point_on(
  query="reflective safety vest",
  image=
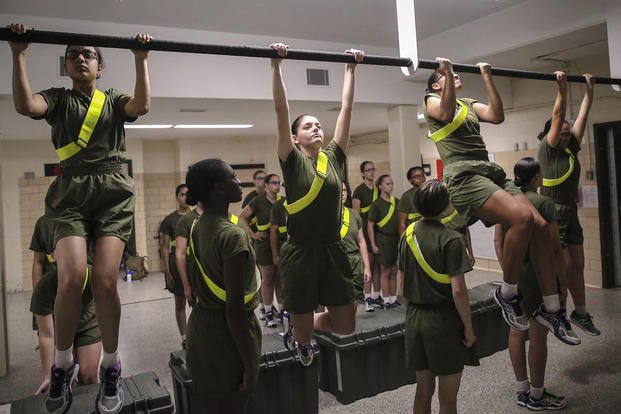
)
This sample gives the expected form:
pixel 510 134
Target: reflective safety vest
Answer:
pixel 375 195
pixel 551 182
pixel 448 129
pixel 320 175
pixel 345 225
pixel 88 125
pixel 217 291
pixel 391 211
pixel 413 243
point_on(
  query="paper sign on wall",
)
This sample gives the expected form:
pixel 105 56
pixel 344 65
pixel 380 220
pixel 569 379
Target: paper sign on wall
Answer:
pixel 588 196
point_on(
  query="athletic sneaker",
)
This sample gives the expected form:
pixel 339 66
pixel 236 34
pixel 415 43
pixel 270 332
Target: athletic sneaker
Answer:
pixel 368 305
pixel 261 313
pixel 269 320
pixel 388 305
pixel 378 303
pixel 183 344
pixel 110 397
pixel 570 332
pixel 287 333
pixel 511 311
pixel 305 354
pixel 522 398
pixel 360 298
pixel 546 402
pixel 556 322
pixel 585 322
pixel 59 395
pixel 397 303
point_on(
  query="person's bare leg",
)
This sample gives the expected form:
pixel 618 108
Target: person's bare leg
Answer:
pixel 385 272
pixel 425 387
pixel 517 353
pixel 338 319
pixel 537 353
pixel 89 356
pixel 574 256
pixel 448 387
pixel 182 320
pixel 303 324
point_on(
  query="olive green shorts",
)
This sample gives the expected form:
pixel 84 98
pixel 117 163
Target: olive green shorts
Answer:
pixel 569 228
pixel 388 247
pixel 529 289
pixel 433 341
pixel 88 329
pixel 357 268
pixel 315 275
pixel 177 288
pixel 263 253
pixel 91 206
pixel 214 363
pixel 471 183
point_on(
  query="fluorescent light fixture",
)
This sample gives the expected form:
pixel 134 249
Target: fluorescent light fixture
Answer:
pixel 145 126
pixel 213 126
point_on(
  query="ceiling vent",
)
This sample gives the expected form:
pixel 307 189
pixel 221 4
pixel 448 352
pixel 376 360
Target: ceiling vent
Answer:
pixel 317 77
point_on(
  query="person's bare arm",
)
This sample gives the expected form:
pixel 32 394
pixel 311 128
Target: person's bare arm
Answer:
pixel 443 108
pixel 181 244
pixel 38 262
pixel 559 110
pixel 462 304
pixel 493 112
pixel 140 103
pixel 45 325
pixel 581 121
pixel 341 132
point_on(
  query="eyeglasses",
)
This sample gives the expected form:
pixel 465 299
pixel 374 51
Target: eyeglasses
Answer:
pixel 275 182
pixel 87 54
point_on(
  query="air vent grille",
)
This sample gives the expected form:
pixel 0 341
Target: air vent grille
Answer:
pixel 317 77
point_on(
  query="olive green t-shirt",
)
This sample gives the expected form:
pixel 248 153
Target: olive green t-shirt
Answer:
pixel 406 205
pixel 262 209
pixel 319 222
pixel 466 141
pixel 445 252
pixel 43 242
pixel 184 224
pixel 249 197
pixel 278 217
pixel 379 210
pixel 351 237
pixel 544 205
pixel 66 110
pixel 217 240
pixel 44 295
pixel 554 164
pixel 366 197
pixel 168 226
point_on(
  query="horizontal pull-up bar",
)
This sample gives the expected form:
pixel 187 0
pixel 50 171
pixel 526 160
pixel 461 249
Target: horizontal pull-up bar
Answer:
pixel 60 38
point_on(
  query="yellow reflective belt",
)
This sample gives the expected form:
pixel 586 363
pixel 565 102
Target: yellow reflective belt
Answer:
pixel 213 287
pixel 320 176
pixel 391 211
pixel 88 125
pixel 88 272
pixel 557 181
pixel 253 221
pixel 449 128
pixel 233 218
pixel 345 225
pixel 414 216
pixel 413 243
pixel 282 229
pixel 449 217
pixel 50 258
pixel 263 227
pixel 375 195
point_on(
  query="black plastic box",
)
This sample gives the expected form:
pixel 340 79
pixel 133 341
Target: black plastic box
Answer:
pixel 372 359
pixel 284 385
pixel 143 395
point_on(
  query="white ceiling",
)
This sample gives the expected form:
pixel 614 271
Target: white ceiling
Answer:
pixel 350 21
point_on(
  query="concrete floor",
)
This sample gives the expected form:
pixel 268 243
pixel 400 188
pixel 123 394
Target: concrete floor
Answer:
pixel 589 375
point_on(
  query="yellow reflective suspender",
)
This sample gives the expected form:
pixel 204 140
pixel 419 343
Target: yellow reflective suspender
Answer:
pixel 88 125
pixel 375 195
pixel 213 287
pixel 414 216
pixel 266 226
pixel 551 182
pixel 451 127
pixel 413 243
pixel 233 218
pixel 345 225
pixel 320 176
pixel 449 217
pixel 391 211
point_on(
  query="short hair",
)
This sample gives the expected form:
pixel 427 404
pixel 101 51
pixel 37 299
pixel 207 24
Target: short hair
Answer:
pixel 179 188
pixel 363 165
pixel 431 198
pixel 268 177
pixel 257 172
pixel 412 169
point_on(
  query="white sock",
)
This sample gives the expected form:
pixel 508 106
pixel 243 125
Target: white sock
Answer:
pixel 523 386
pixel 367 295
pixel 183 337
pixel 551 303
pixel 393 299
pixel 536 393
pixel 268 308
pixel 64 359
pixel 581 310
pixel 375 295
pixel 109 360
pixel 508 291
pixel 386 298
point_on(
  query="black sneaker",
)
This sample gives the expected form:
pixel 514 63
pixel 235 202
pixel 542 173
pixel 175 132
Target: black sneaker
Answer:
pixel 546 402
pixel 511 311
pixel 378 303
pixel 59 395
pixel 388 305
pixel 585 322
pixel 368 305
pixel 269 320
pixel 556 322
pixel 522 398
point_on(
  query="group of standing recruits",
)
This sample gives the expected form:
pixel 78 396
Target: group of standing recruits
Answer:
pixel 91 203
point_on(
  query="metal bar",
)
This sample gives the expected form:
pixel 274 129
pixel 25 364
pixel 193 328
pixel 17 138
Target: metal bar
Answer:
pixel 515 73
pixel 61 38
